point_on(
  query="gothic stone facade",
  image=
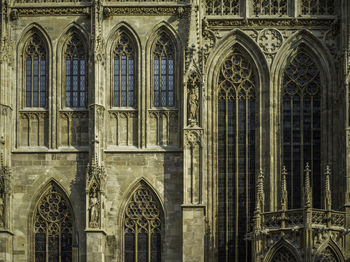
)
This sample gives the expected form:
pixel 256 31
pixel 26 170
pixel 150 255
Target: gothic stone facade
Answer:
pixel 158 130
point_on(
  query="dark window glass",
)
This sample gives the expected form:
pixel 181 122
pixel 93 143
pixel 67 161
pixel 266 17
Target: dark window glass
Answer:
pixel 236 155
pixel 35 73
pixel 301 105
pixel 163 66
pixel 76 82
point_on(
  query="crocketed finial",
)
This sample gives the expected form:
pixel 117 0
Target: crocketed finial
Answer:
pixel 307 185
pixel 328 194
pixel 284 198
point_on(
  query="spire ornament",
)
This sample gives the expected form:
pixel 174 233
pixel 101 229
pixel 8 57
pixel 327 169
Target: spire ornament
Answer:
pixel 307 187
pixel 328 193
pixel 284 192
pixel 260 196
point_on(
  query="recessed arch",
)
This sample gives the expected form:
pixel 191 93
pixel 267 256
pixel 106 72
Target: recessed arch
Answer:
pixel 329 250
pixel 304 42
pixel 282 249
pixel 239 61
pixel 142 223
pixel 51 222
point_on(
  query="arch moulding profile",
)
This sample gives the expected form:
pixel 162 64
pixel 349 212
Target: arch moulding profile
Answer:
pixel 282 243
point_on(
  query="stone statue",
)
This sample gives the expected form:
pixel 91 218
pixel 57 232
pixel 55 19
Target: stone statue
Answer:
pixel 193 106
pixel 2 205
pixel 94 210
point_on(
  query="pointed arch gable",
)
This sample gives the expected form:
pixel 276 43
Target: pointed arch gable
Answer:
pixel 29 31
pixel 76 28
pixel 282 244
pixel 125 27
pixel 334 248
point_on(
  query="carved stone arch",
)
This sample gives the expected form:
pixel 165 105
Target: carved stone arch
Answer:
pixel 140 189
pixel 50 184
pixel 315 49
pixel 329 251
pixel 61 46
pixel 31 30
pixel 165 27
pixel 284 250
pixel 111 44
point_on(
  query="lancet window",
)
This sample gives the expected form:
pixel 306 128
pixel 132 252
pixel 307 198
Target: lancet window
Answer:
pixel 36 72
pixel 222 7
pixel 236 90
pixel 75 72
pixel 270 7
pixel 164 72
pixel 142 227
pixel 53 227
pixel 124 94
pixel 283 255
pixel 301 124
pixel 317 7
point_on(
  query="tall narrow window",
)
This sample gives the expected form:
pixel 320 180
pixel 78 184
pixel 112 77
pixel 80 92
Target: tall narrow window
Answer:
pixel 124 72
pixel 163 72
pixel 142 227
pixel 35 68
pixel 236 155
pixel 301 120
pixel 76 79
pixel 53 227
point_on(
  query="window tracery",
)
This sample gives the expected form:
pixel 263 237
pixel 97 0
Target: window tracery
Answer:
pixel 142 227
pixel 270 7
pixel 236 154
pixel 327 255
pixel 301 121
pixel 222 7
pixel 53 227
pixel 317 7
pixel 36 72
pixel 124 94
pixel 164 72
pixel 283 255
pixel 75 72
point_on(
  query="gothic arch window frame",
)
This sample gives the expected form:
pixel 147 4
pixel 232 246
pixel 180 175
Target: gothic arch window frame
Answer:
pixel 61 66
pixel 334 248
pixel 31 31
pixel 282 243
pixel 112 44
pixel 174 40
pixel 217 56
pixel 140 183
pixel 33 211
pixel 323 59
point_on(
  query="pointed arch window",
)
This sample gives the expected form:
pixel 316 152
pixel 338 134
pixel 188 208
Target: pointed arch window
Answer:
pixel 76 90
pixel 53 227
pixel 36 72
pixel 283 255
pixel 301 125
pixel 164 72
pixel 236 89
pixel 142 227
pixel 124 94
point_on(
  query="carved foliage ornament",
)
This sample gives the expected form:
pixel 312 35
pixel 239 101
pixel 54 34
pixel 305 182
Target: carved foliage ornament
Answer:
pixel 193 137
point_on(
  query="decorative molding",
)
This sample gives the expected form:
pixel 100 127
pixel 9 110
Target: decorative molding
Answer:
pixel 192 137
pixel 222 23
pixel 17 12
pixel 147 11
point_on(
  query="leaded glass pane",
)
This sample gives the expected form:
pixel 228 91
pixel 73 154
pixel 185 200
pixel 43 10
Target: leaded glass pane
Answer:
pixel 76 82
pixel 142 227
pixel 236 155
pixel 53 223
pixel 124 72
pixel 301 102
pixel 163 72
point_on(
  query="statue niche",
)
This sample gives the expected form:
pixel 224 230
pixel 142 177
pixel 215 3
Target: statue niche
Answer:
pixel 193 85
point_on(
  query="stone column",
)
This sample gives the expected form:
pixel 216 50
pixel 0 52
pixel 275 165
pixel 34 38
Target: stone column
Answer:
pixel 95 175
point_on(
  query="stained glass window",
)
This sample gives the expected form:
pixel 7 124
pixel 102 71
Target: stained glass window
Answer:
pixel 76 77
pixel 164 72
pixel 236 154
pixel 283 255
pixel 142 227
pixel 301 121
pixel 124 72
pixel 53 227
pixel 36 73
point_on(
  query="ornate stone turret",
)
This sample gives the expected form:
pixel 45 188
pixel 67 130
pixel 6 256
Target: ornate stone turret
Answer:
pixel 260 195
